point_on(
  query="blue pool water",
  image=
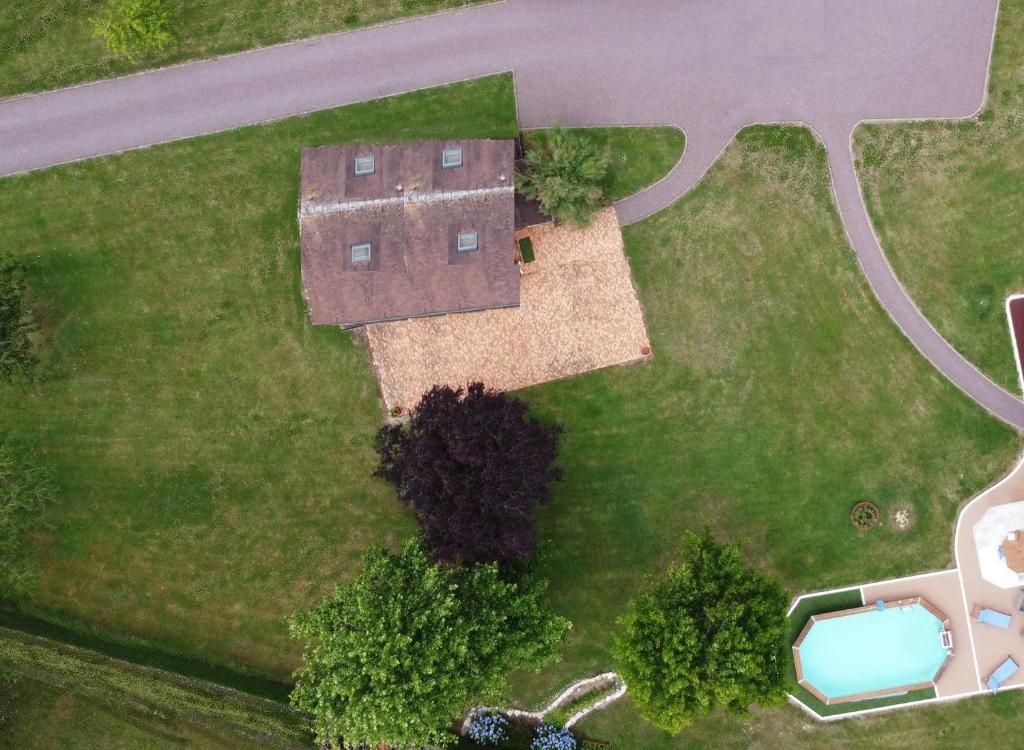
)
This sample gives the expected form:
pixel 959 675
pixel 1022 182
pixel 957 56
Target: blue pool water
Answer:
pixel 875 650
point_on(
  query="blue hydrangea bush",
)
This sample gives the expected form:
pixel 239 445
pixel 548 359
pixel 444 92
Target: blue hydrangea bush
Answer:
pixel 550 737
pixel 488 728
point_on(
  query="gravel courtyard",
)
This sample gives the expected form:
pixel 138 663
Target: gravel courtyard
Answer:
pixel 578 312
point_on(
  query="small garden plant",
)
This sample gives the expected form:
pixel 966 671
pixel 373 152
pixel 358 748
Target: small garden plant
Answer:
pixel 135 28
pixel 566 175
pixel 550 737
pixel 488 728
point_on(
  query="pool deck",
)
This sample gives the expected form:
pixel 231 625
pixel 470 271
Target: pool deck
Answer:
pixel 991 645
pixel 942 590
pixel 977 648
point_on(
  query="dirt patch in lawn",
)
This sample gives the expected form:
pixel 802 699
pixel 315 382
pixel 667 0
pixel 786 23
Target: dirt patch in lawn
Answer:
pixel 578 312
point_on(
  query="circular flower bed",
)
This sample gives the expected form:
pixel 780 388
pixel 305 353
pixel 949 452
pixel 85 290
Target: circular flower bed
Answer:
pixel 865 515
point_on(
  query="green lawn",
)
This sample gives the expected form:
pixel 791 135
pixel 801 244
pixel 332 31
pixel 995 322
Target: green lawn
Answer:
pixel 947 201
pixel 779 395
pixel 990 721
pixel 44 718
pixel 212 451
pixel 640 156
pixel 46 44
pixel 152 692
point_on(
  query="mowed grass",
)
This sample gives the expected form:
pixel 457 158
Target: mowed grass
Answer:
pixel 779 395
pixel 985 721
pixel 45 718
pixel 46 44
pixel 947 201
pixel 639 156
pixel 212 451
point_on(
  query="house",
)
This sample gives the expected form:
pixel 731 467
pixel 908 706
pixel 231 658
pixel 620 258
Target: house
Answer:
pixel 407 230
pixel 397 237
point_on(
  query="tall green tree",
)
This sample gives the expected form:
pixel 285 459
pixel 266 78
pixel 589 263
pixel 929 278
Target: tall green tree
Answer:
pixel 397 655
pixel 711 634
pixel 566 174
pixel 17 327
pixel 135 28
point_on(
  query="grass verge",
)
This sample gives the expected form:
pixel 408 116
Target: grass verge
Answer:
pixel 46 44
pixel 144 655
pixel 992 720
pixel 946 200
pixel 42 717
pixel 150 692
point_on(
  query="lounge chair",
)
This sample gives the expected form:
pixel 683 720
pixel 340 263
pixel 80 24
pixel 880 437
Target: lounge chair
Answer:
pixel 991 617
pixel 1002 673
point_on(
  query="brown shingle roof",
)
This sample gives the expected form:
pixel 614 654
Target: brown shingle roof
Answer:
pixel 414 268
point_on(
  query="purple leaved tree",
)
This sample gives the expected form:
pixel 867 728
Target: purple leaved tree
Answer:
pixel 473 465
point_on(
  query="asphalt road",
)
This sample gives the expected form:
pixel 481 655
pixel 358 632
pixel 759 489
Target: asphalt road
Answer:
pixel 708 66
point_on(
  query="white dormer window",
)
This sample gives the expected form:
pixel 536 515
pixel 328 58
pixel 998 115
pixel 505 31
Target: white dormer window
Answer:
pixel 361 252
pixel 365 165
pixel 468 242
pixel 451 158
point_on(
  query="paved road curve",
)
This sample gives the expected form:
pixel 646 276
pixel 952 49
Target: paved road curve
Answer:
pixel 707 66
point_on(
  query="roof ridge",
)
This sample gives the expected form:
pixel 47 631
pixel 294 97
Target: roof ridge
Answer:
pixel 431 197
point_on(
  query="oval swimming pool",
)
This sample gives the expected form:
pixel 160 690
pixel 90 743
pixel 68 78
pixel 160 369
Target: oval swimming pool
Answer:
pixel 870 652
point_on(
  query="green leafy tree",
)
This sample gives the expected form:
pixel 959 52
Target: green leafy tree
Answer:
pixel 134 28
pixel 398 654
pixel 17 328
pixel 565 174
pixel 709 635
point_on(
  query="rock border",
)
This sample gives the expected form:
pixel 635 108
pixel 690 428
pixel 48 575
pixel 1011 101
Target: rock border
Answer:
pixel 574 692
